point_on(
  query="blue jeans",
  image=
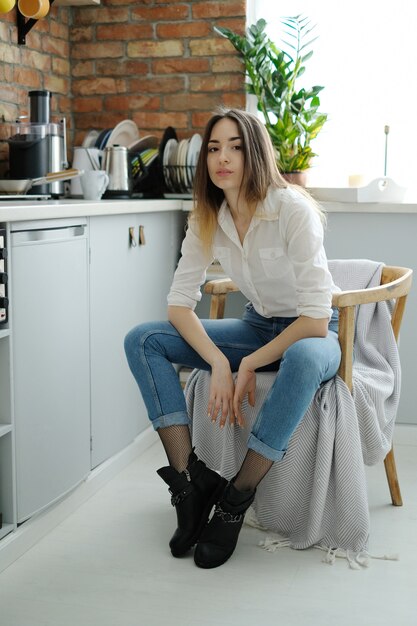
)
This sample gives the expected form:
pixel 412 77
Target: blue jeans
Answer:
pixel 153 347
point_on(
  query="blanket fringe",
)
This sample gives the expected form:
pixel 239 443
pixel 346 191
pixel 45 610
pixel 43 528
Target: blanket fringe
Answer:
pixel 356 560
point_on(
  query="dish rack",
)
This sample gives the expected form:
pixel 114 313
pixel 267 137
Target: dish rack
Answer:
pixel 179 178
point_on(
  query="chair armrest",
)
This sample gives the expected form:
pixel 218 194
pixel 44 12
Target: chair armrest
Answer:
pixel 388 291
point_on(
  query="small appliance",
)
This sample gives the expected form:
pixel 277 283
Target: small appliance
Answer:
pixel 116 163
pixel 38 146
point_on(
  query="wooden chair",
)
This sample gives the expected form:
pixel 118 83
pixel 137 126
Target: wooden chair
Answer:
pixel 395 285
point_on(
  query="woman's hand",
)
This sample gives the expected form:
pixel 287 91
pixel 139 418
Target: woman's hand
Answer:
pixel 221 393
pixel 245 385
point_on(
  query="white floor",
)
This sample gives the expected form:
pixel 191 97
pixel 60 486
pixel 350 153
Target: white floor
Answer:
pixel 108 565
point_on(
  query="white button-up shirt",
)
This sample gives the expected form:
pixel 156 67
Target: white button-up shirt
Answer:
pixel 281 267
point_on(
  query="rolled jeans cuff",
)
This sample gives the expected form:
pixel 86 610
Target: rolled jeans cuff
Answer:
pixel 262 448
pixel 172 419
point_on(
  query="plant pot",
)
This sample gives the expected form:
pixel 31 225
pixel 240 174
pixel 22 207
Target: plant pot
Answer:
pixel 296 178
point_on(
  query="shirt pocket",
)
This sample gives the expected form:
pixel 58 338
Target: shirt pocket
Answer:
pixel 223 256
pixel 274 262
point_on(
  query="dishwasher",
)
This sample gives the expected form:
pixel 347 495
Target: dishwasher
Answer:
pixel 50 337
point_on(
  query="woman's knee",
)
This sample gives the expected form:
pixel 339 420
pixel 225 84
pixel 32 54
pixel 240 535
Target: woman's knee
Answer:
pixel 135 338
pixel 306 356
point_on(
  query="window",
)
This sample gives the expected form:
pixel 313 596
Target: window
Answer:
pixel 365 58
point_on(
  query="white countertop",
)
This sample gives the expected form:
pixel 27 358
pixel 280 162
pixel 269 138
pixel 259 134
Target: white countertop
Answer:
pixel 24 210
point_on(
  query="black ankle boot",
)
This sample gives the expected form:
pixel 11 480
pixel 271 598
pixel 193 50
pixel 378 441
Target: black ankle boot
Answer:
pixel 194 492
pixel 219 538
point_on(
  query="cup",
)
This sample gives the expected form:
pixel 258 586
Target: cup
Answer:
pixel 35 9
pixel 93 184
pixel 6 5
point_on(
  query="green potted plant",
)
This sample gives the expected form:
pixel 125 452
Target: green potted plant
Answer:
pixel 291 114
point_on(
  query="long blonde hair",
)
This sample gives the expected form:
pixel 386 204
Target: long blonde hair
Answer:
pixel 260 172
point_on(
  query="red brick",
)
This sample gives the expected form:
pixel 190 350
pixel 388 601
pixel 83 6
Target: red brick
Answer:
pixel 160 120
pixel 180 66
pixel 29 78
pixel 83 33
pixel 217 82
pixel 174 11
pixel 125 32
pixel 64 104
pixel 88 104
pixel 97 50
pixel 199 120
pixel 5 31
pixel 9 54
pixel 61 66
pixel 210 47
pixel 151 103
pixel 146 49
pixel 132 103
pixel 98 85
pixel 8 93
pixel 36 60
pixel 120 67
pixel 166 84
pixel 219 9
pixel 56 84
pixel 227 64
pixel 188 102
pixel 100 120
pixel 59 29
pixel 234 100
pixel 55 46
pixel 100 15
pixel 183 29
pixel 237 25
pixel 82 68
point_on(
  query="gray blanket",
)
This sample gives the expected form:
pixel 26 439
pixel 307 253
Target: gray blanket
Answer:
pixel 317 494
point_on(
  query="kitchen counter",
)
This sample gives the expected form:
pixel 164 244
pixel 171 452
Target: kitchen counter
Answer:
pixel 23 210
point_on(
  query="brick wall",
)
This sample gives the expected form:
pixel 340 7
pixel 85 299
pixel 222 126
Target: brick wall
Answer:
pixel 43 63
pixel 157 62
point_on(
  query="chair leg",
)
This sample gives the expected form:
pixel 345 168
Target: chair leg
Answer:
pixel 391 472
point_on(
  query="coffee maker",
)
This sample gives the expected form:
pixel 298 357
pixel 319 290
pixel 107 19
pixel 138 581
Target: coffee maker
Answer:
pixel 39 146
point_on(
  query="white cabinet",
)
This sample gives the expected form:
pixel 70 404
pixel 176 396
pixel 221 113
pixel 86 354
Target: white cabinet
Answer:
pixel 77 286
pixel 133 258
pixel 51 360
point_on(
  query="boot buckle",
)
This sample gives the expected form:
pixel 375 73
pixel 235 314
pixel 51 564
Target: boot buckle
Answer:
pixel 226 516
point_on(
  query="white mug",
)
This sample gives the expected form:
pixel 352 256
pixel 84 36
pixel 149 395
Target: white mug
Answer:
pixel 93 184
pixel 84 159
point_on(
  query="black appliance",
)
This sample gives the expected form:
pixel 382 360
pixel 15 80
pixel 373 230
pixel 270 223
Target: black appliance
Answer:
pixel 39 146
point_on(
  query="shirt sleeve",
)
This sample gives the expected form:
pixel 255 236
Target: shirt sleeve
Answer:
pixel 303 233
pixel 191 271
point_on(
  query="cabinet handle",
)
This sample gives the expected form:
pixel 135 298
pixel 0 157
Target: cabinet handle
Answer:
pixel 132 240
pixel 142 240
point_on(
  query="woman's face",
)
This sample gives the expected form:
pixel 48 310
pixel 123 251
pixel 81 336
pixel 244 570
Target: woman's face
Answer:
pixel 225 157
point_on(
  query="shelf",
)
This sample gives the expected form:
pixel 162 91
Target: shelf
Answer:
pixel 4 429
pixel 5 530
pixel 4 333
pixel 76 3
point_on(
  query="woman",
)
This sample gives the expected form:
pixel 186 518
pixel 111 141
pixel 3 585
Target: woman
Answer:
pixel 268 237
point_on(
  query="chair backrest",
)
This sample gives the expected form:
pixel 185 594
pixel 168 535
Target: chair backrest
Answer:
pixel 353 275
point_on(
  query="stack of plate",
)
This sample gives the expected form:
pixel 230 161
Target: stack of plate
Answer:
pixel 126 133
pixel 179 160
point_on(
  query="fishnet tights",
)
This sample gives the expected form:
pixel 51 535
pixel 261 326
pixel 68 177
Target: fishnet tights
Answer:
pixel 253 469
pixel 177 444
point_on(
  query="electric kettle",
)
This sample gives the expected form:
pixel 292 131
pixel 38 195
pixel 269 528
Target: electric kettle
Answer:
pixel 116 163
